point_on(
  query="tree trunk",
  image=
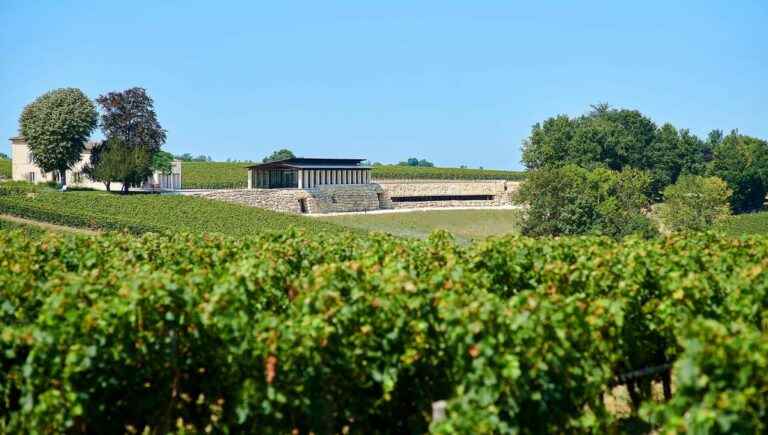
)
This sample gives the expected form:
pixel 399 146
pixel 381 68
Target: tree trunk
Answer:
pixel 107 183
pixel 125 188
pixel 63 177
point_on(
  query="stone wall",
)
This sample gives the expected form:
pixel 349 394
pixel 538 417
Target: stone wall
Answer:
pixel 367 197
pixel 342 198
pixel 284 200
pixel 321 199
pixel 501 191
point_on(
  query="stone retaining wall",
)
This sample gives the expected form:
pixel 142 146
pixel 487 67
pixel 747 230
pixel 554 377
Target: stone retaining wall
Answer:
pixel 366 197
pixel 501 191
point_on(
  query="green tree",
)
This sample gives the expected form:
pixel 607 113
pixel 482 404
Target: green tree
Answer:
pixel 742 161
pixel 572 200
pixel 162 162
pixel 279 155
pixel 56 126
pixel 615 139
pixel 114 161
pixel 695 203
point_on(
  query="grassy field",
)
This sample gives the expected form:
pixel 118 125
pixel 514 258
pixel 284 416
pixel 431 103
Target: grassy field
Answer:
pixel 5 168
pixel 143 213
pixel 749 223
pixel 464 224
pixel 220 175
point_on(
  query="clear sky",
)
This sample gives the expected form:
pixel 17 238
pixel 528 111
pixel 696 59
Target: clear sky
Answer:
pixel 456 82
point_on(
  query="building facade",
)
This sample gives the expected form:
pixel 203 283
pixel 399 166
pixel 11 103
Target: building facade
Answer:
pixel 23 168
pixel 308 173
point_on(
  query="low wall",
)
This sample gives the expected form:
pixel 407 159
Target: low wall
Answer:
pixel 501 192
pixel 321 199
pixel 374 196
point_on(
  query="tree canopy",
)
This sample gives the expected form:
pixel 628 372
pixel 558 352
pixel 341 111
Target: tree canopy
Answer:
pixel 413 161
pixel 281 154
pixel 56 126
pixel 114 161
pixel 129 116
pixel 742 161
pixel 616 139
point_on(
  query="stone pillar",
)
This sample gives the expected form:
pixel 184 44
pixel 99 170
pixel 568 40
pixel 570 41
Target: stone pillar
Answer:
pixel 300 178
pixel 250 178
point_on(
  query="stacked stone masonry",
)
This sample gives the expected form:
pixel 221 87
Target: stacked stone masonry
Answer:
pixel 375 196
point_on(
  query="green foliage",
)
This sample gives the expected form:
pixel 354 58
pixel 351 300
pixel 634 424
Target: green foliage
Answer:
pixel 695 203
pixel 384 172
pixel 18 188
pixel 114 161
pixel 747 223
pixel 27 230
pixel 335 334
pixel 6 171
pixel 162 162
pixel 222 175
pixel 615 139
pixel 415 162
pixel 281 154
pixel 144 212
pixel 572 200
pixel 721 381
pixel 56 126
pixel 742 161
pixel 187 157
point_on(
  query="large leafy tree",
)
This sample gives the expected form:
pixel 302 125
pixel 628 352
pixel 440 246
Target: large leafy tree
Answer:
pixel 742 161
pixel 279 155
pixel 129 121
pixel 56 126
pixel 129 116
pixel 615 139
pixel 114 161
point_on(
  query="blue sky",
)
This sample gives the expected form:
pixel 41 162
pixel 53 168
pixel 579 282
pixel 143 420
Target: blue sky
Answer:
pixel 453 82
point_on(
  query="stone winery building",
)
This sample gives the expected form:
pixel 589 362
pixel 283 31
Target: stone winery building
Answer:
pixel 325 185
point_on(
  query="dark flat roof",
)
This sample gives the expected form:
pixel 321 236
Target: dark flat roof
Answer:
pixel 311 163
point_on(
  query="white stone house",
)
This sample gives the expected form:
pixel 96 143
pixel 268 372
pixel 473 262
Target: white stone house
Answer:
pixel 23 168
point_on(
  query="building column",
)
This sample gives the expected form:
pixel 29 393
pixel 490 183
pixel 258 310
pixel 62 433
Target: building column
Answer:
pixel 300 178
pixel 250 178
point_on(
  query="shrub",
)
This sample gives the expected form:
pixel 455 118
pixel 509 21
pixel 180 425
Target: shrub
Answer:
pixel 572 200
pixel 695 203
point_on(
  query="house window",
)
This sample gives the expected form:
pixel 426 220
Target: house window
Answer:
pixel 31 177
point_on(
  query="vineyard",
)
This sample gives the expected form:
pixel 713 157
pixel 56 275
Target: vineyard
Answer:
pixel 5 169
pixel 333 333
pixel 141 213
pixel 220 175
